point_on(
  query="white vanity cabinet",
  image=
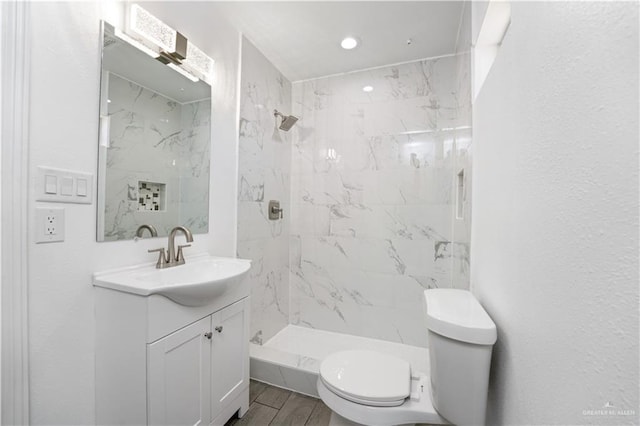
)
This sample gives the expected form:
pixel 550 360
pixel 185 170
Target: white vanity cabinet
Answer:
pixel 161 363
pixel 229 372
pixel 195 372
pixel 179 377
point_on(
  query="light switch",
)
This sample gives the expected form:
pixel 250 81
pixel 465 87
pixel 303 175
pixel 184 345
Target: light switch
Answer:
pixel 50 184
pixel 67 186
pixel 81 189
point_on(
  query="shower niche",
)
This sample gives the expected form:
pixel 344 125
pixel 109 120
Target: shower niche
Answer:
pixel 152 196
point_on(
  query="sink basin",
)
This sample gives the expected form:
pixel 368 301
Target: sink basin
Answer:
pixel 196 283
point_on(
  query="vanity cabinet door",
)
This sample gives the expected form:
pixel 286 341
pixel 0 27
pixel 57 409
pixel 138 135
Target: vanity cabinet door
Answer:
pixel 230 354
pixel 179 377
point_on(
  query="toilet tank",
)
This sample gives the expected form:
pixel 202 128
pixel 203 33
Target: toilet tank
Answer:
pixel 460 339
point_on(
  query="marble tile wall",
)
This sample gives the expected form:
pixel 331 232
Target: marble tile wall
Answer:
pixel 463 153
pixel 155 139
pixel 372 198
pixel 264 174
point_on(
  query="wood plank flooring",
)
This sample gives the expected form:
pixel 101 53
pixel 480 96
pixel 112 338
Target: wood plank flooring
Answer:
pixel 270 405
pixel 273 406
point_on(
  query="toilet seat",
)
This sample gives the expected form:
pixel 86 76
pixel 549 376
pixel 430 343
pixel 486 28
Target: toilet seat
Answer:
pixel 367 377
pixel 418 408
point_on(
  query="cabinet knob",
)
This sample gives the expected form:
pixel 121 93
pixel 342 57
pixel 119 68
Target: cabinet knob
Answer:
pixel 219 329
pixel 208 335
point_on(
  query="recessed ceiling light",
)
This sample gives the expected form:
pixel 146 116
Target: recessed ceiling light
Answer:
pixel 367 89
pixel 349 43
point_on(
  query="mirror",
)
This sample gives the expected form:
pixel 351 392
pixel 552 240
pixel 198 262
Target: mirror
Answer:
pixel 154 144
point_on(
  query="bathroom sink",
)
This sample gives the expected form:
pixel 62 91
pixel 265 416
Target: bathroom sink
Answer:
pixel 196 283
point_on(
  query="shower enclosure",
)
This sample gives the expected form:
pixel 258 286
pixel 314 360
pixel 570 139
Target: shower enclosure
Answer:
pixel 374 183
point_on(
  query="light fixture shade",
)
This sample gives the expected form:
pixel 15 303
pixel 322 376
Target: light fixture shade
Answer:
pixel 185 73
pixel 149 27
pixel 198 61
pixel 142 47
pixel 169 47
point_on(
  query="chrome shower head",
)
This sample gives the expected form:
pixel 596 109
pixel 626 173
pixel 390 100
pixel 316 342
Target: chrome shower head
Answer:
pixel 287 120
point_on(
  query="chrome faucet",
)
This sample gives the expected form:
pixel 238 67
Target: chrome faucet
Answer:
pixel 150 228
pixel 170 257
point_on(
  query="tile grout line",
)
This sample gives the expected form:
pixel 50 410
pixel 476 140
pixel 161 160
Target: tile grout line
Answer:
pixel 312 411
pixel 258 395
pixel 291 396
pixel 255 405
pixel 276 416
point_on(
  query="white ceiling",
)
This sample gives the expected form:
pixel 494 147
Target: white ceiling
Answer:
pixel 302 38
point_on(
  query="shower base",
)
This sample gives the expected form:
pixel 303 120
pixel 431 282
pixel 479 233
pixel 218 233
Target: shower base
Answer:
pixel 291 359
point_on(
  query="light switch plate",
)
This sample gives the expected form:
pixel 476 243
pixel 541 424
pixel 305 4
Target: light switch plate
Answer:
pixel 63 186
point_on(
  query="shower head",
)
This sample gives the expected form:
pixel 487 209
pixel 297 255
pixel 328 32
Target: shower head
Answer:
pixel 287 120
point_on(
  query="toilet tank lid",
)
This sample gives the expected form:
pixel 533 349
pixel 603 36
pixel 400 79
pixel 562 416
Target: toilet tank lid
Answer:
pixel 458 315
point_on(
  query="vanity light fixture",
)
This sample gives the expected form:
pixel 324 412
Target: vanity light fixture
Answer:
pixel 143 47
pixel 147 26
pixel 198 61
pixel 168 45
pixel 183 72
pixel 367 89
pixel 349 43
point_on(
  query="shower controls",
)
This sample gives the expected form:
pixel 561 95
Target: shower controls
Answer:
pixel 275 212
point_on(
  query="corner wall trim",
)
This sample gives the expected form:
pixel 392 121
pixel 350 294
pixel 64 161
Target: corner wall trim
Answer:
pixel 14 60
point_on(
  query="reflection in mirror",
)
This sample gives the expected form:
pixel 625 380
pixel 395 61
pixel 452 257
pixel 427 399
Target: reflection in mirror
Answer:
pixel 155 128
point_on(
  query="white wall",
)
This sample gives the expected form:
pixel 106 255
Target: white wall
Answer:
pixel 463 145
pixel 1 115
pixel 65 77
pixel 555 214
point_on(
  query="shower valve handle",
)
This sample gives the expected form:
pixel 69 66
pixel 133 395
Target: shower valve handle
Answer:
pixel 275 211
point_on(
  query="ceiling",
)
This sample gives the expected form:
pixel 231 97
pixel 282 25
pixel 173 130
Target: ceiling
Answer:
pixel 302 38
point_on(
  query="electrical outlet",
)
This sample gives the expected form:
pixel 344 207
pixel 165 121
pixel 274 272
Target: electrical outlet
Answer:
pixel 49 225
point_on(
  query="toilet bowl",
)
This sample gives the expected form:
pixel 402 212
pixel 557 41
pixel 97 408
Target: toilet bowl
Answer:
pixel 375 389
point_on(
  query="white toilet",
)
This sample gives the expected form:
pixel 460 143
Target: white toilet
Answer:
pixel 375 389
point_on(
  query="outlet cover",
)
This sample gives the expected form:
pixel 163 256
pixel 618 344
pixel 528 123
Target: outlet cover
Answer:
pixel 49 225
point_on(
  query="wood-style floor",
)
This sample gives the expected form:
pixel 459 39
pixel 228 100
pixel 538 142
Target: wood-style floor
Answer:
pixel 272 406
